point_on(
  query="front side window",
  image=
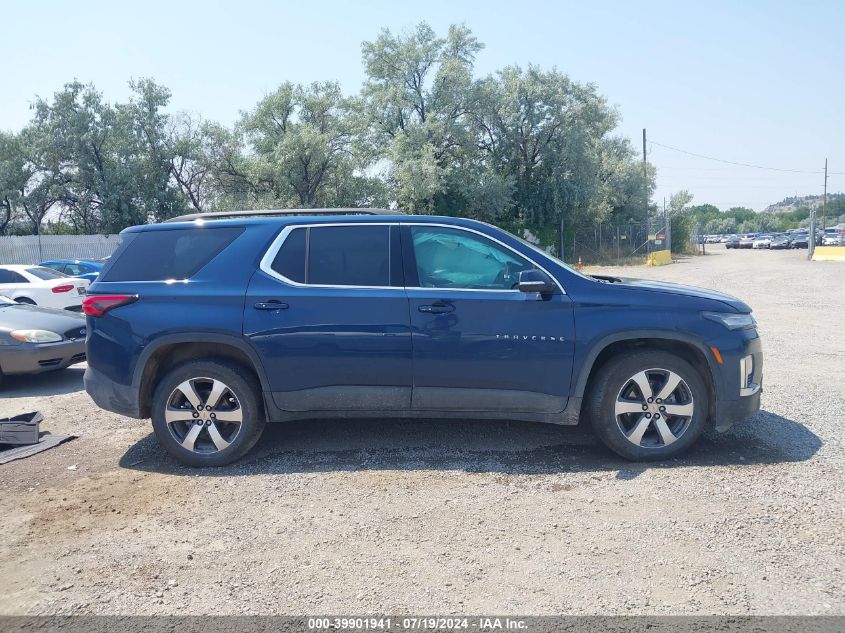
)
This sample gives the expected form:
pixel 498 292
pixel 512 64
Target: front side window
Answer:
pixel 337 256
pixel 452 258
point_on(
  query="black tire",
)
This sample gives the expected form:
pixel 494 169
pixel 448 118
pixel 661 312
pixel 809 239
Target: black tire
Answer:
pixel 241 385
pixel 615 375
pixel 26 301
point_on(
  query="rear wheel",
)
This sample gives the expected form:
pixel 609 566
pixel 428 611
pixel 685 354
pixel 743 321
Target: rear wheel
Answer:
pixel 207 413
pixel 648 405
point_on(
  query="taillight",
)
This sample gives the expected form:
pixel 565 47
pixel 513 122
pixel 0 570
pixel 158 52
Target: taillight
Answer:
pixel 62 288
pixel 98 305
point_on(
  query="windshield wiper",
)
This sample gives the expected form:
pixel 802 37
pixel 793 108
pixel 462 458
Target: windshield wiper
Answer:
pixel 607 279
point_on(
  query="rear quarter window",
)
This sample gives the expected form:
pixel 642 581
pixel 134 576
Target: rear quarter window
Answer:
pixel 170 254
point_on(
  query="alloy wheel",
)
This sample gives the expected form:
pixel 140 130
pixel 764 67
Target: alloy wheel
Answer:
pixel 203 415
pixel 654 408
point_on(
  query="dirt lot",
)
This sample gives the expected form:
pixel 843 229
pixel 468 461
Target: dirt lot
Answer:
pixel 445 517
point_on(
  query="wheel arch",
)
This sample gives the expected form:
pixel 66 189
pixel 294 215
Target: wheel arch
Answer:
pixel 169 351
pixel 685 347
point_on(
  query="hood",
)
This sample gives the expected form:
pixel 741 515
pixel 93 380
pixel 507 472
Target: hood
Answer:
pixel 27 317
pixel 666 287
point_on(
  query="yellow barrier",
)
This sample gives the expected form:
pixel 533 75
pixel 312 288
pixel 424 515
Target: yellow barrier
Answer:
pixel 829 254
pixel 659 258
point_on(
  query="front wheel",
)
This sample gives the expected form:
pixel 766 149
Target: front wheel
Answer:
pixel 207 413
pixel 649 405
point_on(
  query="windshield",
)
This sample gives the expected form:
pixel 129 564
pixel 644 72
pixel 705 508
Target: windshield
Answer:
pixel 45 273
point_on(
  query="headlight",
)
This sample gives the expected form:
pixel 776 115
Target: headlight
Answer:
pixel 35 336
pixel 730 320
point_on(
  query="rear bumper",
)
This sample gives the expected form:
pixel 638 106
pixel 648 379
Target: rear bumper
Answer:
pixel 111 396
pixel 33 358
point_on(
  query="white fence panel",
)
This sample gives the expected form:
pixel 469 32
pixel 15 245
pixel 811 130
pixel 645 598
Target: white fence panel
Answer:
pixel 31 249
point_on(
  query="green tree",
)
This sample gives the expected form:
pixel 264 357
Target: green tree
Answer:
pixel 683 220
pixel 415 105
pixel 302 141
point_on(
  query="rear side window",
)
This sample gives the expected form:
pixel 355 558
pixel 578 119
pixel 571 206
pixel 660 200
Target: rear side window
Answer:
pixel 290 260
pixel 341 256
pixel 173 254
pixel 11 277
pixel 349 256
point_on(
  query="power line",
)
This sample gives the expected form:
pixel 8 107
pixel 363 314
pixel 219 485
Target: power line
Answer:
pixel 731 162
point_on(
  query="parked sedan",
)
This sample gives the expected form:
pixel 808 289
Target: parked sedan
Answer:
pixel 84 268
pixel 780 242
pixel 41 286
pixel 762 241
pixel 833 239
pixel 801 240
pixel 35 339
pixel 732 241
pixel 747 240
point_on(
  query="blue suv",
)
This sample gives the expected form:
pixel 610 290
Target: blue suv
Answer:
pixel 213 325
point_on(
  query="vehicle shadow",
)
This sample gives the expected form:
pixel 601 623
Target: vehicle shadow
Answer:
pixel 51 383
pixel 477 446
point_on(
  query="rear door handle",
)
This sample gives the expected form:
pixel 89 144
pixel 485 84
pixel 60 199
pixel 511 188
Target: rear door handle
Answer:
pixel 437 308
pixel 271 305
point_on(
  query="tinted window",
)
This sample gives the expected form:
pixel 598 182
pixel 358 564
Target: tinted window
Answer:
pixel 290 260
pixel 451 258
pixel 11 277
pixel 170 254
pixel 349 256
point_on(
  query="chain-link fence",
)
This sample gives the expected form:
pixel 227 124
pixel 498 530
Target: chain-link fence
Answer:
pixel 32 249
pixel 613 243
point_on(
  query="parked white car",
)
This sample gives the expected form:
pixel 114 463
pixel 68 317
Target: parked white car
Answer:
pixel 762 241
pixel 37 285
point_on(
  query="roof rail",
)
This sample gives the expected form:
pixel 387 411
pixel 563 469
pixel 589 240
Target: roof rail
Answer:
pixel 222 215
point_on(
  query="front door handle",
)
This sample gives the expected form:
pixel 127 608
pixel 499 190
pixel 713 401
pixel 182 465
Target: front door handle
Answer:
pixel 437 308
pixel 271 305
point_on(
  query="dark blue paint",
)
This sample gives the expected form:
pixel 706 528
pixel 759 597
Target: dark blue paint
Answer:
pixel 375 349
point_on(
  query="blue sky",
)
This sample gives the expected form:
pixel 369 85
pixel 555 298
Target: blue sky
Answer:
pixel 752 82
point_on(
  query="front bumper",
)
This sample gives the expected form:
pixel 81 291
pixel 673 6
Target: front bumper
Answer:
pixel 34 358
pixel 740 383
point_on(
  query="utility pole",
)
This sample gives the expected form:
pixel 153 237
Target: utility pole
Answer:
pixel 645 198
pixel 824 199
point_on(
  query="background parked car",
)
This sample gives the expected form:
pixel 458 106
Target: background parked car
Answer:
pixel 762 241
pixel 82 268
pixel 732 241
pixel 41 286
pixel 747 240
pixel 801 240
pixel 35 340
pixel 780 242
pixel 833 239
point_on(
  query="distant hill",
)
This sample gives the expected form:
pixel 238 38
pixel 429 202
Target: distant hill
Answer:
pixel 794 202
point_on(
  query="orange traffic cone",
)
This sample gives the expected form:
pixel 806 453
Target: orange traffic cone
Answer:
pixel 580 265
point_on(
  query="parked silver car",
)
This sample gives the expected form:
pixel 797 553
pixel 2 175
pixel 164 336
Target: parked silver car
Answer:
pixel 35 339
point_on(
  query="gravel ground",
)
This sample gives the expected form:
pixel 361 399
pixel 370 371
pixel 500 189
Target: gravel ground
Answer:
pixel 442 517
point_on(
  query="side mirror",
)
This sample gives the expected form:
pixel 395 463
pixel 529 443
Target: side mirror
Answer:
pixel 536 281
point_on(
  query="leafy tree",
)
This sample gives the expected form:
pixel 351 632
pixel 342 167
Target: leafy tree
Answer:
pixel 682 219
pixel 415 105
pixel 302 141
